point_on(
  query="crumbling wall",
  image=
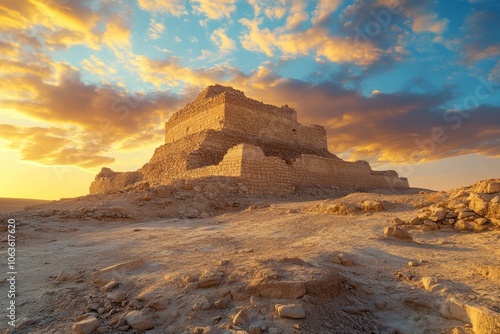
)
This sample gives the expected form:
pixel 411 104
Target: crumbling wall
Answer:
pixel 271 127
pixel 194 118
pixel 270 174
pixel 108 181
pixel 314 170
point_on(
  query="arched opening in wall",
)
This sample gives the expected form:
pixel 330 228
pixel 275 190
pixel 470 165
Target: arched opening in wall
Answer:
pixel 294 132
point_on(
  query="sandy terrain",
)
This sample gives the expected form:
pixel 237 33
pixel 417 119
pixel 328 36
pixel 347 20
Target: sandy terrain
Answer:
pixel 227 269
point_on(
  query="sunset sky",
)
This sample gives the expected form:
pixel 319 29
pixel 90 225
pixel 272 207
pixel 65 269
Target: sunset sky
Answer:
pixel 407 85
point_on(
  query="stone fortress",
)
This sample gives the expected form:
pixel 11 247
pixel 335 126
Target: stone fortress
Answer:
pixel 264 147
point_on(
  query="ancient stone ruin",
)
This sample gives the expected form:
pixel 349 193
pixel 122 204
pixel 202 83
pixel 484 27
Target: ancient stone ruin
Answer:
pixel 224 133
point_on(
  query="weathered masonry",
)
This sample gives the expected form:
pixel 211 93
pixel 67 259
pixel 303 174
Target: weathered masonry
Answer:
pixel 224 133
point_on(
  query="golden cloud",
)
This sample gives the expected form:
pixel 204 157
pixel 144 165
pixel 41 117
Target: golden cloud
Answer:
pixel 314 40
pixel 324 9
pixel 174 7
pixel 171 73
pixel 98 67
pixel 220 39
pixel 214 9
pixel 52 146
pixel 155 29
pixel 72 24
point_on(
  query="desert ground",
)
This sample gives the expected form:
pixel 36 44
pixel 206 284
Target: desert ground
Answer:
pixel 179 260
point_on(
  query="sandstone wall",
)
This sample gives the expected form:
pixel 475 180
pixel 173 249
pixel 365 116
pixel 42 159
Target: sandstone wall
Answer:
pixel 269 174
pixel 108 181
pixel 222 109
pixel 229 166
pixel 207 114
pixel 272 127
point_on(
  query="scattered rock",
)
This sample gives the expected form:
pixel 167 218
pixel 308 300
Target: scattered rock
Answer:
pixel 85 326
pixel 292 311
pixel 493 187
pixel 415 221
pixel 462 225
pixel 193 213
pixel 372 206
pixel 403 275
pixel 210 279
pixel 221 303
pixel 453 309
pixel 466 215
pixel 430 283
pixel 139 320
pixel 159 303
pixel 398 233
pixel 481 221
pixel 110 286
pixel 437 214
pixel 344 260
pixel 432 225
pixel 397 221
pixel 479 204
pixel 245 316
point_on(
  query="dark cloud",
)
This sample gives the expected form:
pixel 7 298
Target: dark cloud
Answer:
pixel 482 36
pixel 398 127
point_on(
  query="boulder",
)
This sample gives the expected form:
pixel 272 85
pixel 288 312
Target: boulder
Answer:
pixel 466 215
pixel 85 326
pixel 483 320
pixel 479 204
pixel 372 206
pixel 292 311
pixel 138 320
pixel 494 208
pixel 397 221
pixel 462 225
pixel 453 309
pixel 397 232
pixel 415 221
pixel 210 279
pixel 245 316
pixel 437 214
pixel 429 283
pixel 221 303
pixel 432 225
pixel 493 187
